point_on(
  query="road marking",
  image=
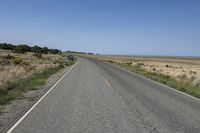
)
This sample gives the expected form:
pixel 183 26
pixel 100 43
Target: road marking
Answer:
pixel 155 82
pixel 22 118
pixel 107 82
pixel 169 87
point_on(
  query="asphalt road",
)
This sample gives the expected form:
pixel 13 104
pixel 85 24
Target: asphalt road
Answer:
pixel 98 98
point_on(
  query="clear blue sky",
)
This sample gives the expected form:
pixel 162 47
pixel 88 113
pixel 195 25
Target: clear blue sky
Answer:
pixel 136 27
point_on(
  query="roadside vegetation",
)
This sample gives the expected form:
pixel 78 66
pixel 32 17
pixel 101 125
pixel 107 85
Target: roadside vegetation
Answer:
pixel 24 68
pixel 181 84
pixel 14 89
pixel 23 48
pixel 181 73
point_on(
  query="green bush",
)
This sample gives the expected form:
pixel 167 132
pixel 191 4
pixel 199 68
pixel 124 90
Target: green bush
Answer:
pixel 7 46
pixel 129 63
pixel 37 51
pixel 10 85
pixel 10 57
pixel 17 61
pixel 110 61
pixel 22 49
pixel 4 62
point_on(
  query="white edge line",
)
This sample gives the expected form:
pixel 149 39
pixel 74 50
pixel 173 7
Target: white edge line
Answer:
pixel 155 82
pixel 22 118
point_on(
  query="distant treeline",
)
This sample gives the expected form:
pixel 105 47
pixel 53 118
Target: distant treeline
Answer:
pixel 79 52
pixel 23 48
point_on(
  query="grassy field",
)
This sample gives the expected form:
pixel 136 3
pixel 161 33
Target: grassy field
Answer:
pixel 181 73
pixel 22 72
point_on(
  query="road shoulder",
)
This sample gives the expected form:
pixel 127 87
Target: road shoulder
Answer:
pixel 13 111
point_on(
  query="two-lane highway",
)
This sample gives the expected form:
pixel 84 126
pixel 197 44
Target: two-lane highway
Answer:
pixel 95 97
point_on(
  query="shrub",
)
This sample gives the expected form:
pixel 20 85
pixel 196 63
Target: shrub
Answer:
pixel 3 91
pixel 61 65
pixel 4 62
pixel 7 46
pixel 25 48
pixel 192 72
pixel 55 51
pixel 10 57
pixel 110 61
pixel 69 63
pixel 45 50
pixel 138 65
pixel 196 82
pixel 129 63
pixel 10 85
pixel 182 77
pixel 17 61
pixel 37 51
pixel 22 49
pixel 141 64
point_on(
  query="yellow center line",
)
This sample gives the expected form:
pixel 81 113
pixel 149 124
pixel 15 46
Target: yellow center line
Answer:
pixel 107 82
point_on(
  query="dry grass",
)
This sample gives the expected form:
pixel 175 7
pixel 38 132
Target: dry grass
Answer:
pixel 184 69
pixel 29 64
pixel 23 72
pixel 181 68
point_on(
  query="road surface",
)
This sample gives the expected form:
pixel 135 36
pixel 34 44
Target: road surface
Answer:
pixel 95 97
